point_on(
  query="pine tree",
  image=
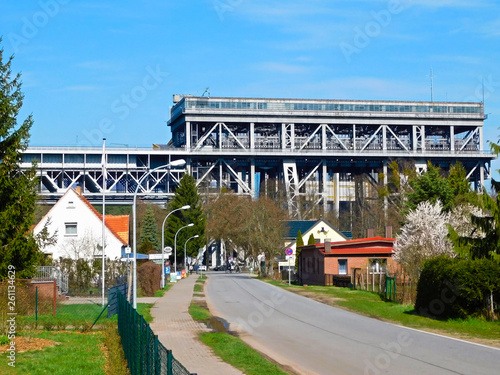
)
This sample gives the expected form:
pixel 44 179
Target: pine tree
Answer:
pixel 18 247
pixel 298 243
pixel 149 231
pixel 311 240
pixel 300 240
pixel 186 194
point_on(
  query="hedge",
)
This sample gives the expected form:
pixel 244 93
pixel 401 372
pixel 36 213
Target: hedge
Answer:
pixel 454 288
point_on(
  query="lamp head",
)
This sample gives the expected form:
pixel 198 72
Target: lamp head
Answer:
pixel 196 236
pixel 190 225
pixel 186 207
pixel 177 163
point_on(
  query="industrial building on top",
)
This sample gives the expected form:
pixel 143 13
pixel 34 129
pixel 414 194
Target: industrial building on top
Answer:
pixel 309 149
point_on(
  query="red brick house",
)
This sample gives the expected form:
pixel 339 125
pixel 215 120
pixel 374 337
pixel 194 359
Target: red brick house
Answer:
pixel 342 258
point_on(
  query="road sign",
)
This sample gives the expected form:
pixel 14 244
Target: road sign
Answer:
pixel 167 270
pixel 289 257
pixel 155 256
pixel 289 251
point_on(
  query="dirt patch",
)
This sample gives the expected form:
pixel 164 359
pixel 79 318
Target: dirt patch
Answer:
pixel 201 303
pixel 26 344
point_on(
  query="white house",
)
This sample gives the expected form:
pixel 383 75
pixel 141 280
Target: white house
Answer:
pixel 79 229
pixel 320 229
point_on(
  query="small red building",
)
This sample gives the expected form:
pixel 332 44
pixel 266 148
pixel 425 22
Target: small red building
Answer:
pixel 372 254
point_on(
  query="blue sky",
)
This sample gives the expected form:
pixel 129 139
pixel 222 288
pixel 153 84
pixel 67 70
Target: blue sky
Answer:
pixel 94 69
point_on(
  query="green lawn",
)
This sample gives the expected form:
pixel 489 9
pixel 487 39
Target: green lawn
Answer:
pixel 79 316
pixel 371 304
pixel 76 354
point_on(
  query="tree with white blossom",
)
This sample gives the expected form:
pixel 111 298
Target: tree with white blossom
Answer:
pixel 423 236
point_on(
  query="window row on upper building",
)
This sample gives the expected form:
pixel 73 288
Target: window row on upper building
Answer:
pixel 304 106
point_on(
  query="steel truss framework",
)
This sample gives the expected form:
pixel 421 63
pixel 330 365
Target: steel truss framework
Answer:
pixel 311 149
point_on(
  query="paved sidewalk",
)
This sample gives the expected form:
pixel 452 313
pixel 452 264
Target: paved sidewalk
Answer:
pixel 179 332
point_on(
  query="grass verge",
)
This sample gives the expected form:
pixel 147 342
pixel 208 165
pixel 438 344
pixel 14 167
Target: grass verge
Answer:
pixel 161 292
pixel 116 364
pixel 198 288
pixel 232 349
pixel 372 305
pixel 235 352
pixel 144 309
pixel 198 312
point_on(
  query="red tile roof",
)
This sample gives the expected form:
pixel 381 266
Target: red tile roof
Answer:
pixel 361 246
pixel 118 225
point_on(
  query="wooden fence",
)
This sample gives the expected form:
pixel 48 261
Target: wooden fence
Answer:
pixel 396 286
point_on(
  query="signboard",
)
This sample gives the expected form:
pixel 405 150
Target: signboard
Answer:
pixel 167 270
pixel 173 277
pixel 155 256
pixel 289 251
pixel 289 257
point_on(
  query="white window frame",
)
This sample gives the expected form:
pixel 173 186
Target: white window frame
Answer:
pixel 345 261
pixel 68 225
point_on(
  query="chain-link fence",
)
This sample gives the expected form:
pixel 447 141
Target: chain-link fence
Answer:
pixel 145 354
pixel 39 304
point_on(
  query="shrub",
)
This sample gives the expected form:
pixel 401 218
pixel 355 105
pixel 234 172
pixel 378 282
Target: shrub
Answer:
pixel 149 276
pixel 453 288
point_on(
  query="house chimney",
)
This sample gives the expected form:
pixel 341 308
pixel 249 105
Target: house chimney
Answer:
pixel 388 231
pixel 370 233
pixel 328 246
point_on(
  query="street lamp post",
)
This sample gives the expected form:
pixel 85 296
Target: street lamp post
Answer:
pixel 175 163
pixel 175 246
pixel 186 207
pixel 185 243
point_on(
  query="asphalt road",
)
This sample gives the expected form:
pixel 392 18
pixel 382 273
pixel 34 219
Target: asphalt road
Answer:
pixel 313 338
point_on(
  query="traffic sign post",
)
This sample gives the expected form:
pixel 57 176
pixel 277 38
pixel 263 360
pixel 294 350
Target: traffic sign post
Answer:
pixel 289 255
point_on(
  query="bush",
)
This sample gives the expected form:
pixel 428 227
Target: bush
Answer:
pixel 453 288
pixel 149 276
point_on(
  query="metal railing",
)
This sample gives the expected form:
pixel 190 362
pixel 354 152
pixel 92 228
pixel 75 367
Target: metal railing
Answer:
pixel 144 353
pixel 53 273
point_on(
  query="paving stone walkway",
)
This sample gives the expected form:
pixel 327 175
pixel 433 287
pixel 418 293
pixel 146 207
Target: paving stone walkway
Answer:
pixel 177 331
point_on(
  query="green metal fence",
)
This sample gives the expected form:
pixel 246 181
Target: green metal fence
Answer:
pixel 145 354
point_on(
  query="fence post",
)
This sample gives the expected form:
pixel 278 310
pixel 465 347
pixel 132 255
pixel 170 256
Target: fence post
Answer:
pixel 54 299
pixel 157 359
pixel 36 304
pixel 169 362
